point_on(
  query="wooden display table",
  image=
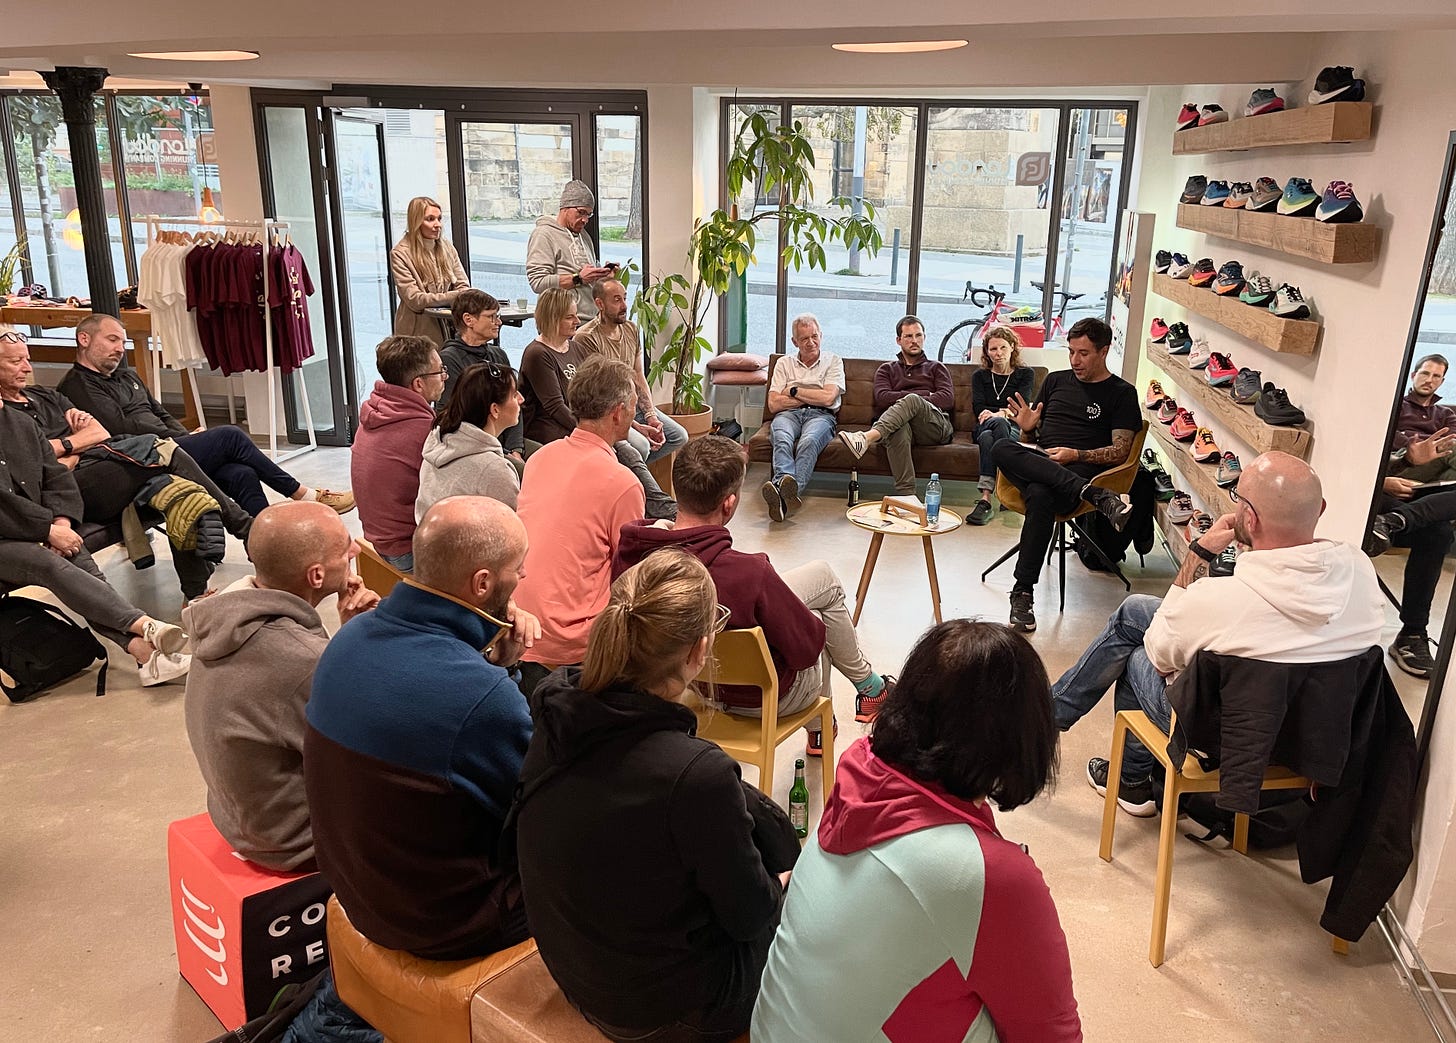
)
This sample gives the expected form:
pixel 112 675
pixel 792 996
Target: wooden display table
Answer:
pixel 868 516
pixel 138 325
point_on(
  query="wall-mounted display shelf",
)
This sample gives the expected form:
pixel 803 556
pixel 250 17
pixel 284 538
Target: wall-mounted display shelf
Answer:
pixel 1313 125
pixel 1218 403
pixel 1173 535
pixel 1356 243
pixel 1260 325
pixel 1199 479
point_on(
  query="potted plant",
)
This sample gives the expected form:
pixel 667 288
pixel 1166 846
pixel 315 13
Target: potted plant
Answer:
pixel 670 309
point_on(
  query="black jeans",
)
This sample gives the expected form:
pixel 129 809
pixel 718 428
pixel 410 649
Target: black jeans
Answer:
pixel 1049 489
pixel 239 466
pixel 1428 535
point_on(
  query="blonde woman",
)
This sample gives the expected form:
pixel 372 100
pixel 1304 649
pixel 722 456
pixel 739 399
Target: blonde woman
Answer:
pixel 1001 375
pixel 645 889
pixel 547 366
pixel 427 272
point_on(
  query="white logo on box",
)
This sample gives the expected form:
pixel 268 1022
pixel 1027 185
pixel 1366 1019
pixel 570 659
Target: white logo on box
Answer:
pixel 215 930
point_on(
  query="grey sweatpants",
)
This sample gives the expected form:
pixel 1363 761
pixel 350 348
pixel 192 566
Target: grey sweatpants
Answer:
pixel 77 582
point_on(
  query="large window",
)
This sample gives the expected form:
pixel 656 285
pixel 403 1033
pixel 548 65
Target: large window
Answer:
pixel 1022 198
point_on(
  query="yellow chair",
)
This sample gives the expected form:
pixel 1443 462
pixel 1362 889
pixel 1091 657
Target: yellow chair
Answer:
pixel 743 658
pixel 1187 778
pixel 378 575
pixel 1119 479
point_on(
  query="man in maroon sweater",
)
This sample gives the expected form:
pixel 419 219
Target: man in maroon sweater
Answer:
pixel 802 611
pixel 914 398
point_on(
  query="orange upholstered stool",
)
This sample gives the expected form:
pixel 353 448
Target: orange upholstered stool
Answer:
pixel 243 932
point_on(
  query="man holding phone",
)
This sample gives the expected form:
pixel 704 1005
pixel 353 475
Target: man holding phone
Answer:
pixel 560 253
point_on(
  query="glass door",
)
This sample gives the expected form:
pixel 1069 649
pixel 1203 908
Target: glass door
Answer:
pixel 359 191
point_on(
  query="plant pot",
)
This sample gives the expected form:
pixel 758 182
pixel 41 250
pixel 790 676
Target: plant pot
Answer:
pixel 695 424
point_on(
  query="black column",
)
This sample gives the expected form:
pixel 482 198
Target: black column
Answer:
pixel 76 87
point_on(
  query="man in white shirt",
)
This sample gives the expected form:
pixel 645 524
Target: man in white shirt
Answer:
pixel 803 398
pixel 1291 599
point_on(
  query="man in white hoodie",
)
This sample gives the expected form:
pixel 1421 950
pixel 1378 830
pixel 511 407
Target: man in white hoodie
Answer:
pixel 1291 599
pixel 560 253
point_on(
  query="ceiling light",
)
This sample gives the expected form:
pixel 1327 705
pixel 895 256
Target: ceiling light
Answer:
pixel 901 46
pixel 196 56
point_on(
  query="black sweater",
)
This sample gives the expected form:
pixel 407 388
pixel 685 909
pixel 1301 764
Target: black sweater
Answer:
pixel 984 385
pixel 644 890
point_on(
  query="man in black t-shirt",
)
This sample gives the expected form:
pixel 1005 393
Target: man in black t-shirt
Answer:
pixel 1083 422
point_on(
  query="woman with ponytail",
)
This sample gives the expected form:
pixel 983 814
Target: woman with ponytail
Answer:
pixel 427 272
pixel 645 891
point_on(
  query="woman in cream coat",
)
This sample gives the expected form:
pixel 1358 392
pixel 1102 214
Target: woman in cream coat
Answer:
pixel 427 272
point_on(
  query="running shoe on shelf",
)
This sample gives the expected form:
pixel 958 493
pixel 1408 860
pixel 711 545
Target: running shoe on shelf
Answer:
pixel 1158 331
pixel 1180 341
pixel 1161 262
pixel 1155 395
pixel 1258 291
pixel 1239 194
pixel 1204 449
pixel 1211 114
pixel 1180 508
pixel 1181 267
pixel 1247 385
pixel 1224 564
pixel 1230 279
pixel 1229 471
pixel 1263 100
pixel 1336 83
pixel 1193 188
pixel 1199 524
pixel 1187 116
pixel 1339 205
pixel 1183 427
pixel 1289 303
pixel 1215 193
pixel 1199 354
pixel 1266 195
pixel 1273 407
pixel 1220 371
pixel 1203 272
pixel 1168 411
pixel 1299 198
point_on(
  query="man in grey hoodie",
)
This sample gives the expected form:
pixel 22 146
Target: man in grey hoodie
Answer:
pixel 255 647
pixel 560 253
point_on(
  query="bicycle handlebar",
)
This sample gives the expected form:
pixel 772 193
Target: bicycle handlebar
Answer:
pixel 986 295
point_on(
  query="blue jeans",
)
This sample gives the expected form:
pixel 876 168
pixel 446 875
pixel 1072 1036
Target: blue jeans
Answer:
pixel 799 436
pixel 997 429
pixel 239 467
pixel 1117 657
pixel 404 562
pixel 674 438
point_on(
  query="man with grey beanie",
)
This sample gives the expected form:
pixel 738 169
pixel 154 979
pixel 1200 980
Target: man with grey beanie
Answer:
pixel 560 254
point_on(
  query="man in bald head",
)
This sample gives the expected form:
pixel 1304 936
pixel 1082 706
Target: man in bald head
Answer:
pixel 416 733
pixel 255 647
pixel 1292 599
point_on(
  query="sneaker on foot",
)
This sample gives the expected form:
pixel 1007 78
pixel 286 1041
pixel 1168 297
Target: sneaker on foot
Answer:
pixel 165 637
pixel 163 667
pixel 1377 541
pixel 855 442
pixel 342 503
pixel 815 747
pixel 774 500
pixel 1412 653
pixel 1115 507
pixel 867 707
pixel 1136 798
pixel 981 513
pixel 1023 615
pixel 789 493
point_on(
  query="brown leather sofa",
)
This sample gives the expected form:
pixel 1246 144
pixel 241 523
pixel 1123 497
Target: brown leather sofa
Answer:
pixel 959 460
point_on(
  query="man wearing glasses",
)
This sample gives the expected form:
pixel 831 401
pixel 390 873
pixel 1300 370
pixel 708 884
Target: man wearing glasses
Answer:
pixel 560 253
pixel 394 422
pixel 1292 599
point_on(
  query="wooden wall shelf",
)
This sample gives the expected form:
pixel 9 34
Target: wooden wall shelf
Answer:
pixel 1218 403
pixel 1173 535
pixel 1357 243
pixel 1200 479
pixel 1313 125
pixel 1260 325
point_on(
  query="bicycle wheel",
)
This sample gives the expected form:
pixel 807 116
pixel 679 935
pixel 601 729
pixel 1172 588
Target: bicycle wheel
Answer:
pixel 960 341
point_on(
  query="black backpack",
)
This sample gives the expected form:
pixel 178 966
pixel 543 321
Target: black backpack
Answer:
pixel 40 647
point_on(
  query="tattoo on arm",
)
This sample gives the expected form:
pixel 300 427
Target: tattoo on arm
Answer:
pixel 1111 455
pixel 1194 568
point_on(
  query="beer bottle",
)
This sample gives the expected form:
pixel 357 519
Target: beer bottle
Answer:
pixel 799 801
pixel 853 487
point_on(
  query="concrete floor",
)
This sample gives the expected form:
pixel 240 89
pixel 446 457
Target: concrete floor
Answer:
pixel 91 784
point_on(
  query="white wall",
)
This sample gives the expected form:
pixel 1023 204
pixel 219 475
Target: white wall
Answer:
pixel 1348 387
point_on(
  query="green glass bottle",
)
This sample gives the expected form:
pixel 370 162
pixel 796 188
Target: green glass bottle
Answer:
pixel 799 801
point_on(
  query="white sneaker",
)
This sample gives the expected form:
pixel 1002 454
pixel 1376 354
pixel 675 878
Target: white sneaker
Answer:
pixel 1198 356
pixel 165 637
pixel 164 667
pixel 855 442
pixel 1289 303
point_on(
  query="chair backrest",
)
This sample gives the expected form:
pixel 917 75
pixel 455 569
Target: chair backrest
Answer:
pixel 378 575
pixel 741 657
pixel 1119 479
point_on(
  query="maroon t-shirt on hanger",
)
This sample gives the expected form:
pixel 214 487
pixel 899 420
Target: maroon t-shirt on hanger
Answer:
pixel 289 288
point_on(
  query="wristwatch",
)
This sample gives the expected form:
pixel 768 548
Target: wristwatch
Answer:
pixel 794 391
pixel 576 279
pixel 1203 552
pixel 66 447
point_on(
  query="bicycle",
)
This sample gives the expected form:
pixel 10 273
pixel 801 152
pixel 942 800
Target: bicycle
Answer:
pixel 963 338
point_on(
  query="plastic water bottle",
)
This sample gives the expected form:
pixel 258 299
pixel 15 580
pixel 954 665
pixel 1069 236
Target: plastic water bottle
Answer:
pixel 853 487
pixel 932 501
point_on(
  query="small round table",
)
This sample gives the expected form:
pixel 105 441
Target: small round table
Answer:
pixel 867 516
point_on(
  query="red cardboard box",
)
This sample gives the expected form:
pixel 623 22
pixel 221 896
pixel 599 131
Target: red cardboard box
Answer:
pixel 244 933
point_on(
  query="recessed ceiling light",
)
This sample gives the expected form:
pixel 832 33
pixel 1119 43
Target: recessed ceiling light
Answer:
pixel 196 56
pixel 901 46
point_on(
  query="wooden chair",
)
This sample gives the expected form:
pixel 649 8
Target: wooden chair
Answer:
pixel 1119 479
pixel 378 575
pixel 1189 777
pixel 743 659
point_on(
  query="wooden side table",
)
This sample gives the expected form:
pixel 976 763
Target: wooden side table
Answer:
pixel 868 516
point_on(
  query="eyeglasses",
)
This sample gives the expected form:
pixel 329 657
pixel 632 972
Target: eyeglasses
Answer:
pixel 434 373
pixel 12 337
pixel 584 211
pixel 720 624
pixel 1236 498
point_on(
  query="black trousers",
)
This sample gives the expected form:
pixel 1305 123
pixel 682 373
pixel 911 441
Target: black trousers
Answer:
pixel 1049 489
pixel 1428 535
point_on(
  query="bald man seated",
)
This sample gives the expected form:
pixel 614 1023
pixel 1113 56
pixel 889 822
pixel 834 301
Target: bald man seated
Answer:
pixel 1291 599
pixel 255 647
pixel 416 733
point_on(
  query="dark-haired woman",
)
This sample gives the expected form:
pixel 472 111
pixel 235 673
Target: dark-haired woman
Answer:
pixel 1000 377
pixel 645 889
pixel 954 934
pixel 463 455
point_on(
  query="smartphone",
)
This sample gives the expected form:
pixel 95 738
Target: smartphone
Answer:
pixel 613 265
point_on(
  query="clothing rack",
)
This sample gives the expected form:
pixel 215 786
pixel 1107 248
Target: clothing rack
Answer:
pixel 269 228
